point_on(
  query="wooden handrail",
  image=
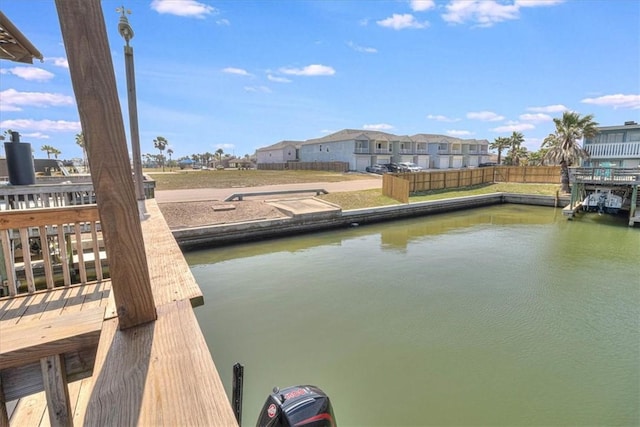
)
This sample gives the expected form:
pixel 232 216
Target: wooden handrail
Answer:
pixel 61 238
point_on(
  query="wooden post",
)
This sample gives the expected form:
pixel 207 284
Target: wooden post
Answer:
pixel 634 204
pixel 94 84
pixel 57 391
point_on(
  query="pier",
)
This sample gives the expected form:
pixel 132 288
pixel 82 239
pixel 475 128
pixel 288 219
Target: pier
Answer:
pixel 78 345
pixel 623 181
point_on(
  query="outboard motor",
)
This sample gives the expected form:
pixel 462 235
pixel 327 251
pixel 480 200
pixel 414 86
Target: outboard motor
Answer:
pixel 303 405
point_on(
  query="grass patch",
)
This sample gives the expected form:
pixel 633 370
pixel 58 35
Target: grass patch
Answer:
pixel 374 198
pixel 187 179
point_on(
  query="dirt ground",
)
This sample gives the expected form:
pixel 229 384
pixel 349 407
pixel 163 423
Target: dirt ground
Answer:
pixel 194 214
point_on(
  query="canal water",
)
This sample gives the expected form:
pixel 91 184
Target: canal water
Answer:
pixel 507 315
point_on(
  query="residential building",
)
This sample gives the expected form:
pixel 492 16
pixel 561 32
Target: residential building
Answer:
pixel 616 146
pixel 362 148
pixel 280 152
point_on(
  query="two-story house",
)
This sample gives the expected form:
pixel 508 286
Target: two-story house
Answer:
pixel 615 146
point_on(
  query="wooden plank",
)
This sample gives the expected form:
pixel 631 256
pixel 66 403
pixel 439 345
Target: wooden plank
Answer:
pixel 89 55
pixel 30 411
pixel 46 256
pixel 26 255
pixel 170 274
pixel 47 216
pixel 165 371
pixel 56 391
pixel 30 341
pixel 8 261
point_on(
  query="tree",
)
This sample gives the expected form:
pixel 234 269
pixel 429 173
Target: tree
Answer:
pixel 219 153
pixel 56 152
pixel 169 152
pixel 516 151
pixel 564 147
pixel 81 142
pixel 50 150
pixel 161 143
pixel 500 144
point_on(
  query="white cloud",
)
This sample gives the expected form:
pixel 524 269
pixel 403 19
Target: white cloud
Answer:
pixel 225 146
pixel 278 79
pixel 310 70
pixel 485 116
pixel 422 5
pixel 257 89
pixel 12 100
pixel 485 13
pixel 536 3
pixel 401 22
pixel 616 101
pixel 557 108
pixel 441 118
pixel 29 73
pixel 536 118
pixel 188 8
pixel 363 49
pixel 35 135
pixel 237 71
pixel 514 127
pixel 459 132
pixel 41 125
pixel 58 62
pixel 379 126
pixel 224 22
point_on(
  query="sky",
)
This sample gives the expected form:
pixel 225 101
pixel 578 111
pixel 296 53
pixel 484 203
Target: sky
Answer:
pixel 241 74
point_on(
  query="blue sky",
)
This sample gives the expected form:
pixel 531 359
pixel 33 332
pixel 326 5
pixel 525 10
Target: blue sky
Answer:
pixel 240 75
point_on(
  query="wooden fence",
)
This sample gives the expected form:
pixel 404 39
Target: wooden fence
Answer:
pixel 528 174
pixel 438 179
pixel 306 166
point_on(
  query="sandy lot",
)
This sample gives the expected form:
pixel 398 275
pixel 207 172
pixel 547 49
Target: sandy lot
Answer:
pixel 194 214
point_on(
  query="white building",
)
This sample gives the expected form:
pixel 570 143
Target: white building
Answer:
pixel 362 148
pixel 617 146
pixel 280 152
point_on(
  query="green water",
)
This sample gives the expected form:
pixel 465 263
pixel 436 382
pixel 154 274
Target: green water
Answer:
pixel 508 315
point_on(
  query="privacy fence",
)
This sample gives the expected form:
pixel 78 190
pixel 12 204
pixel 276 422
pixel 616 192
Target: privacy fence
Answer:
pixel 306 166
pixel 400 185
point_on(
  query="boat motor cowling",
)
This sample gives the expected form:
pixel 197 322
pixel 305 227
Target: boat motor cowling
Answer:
pixel 303 405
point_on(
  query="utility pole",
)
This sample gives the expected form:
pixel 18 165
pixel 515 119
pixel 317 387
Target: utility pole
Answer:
pixel 126 32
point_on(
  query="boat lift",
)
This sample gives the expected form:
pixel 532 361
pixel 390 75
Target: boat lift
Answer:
pixel 604 181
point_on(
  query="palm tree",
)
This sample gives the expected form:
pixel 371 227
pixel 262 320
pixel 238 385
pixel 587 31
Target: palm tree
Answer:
pixel 219 153
pixel 169 152
pixel 81 142
pixel 515 151
pixel 56 152
pixel 49 149
pixel 500 144
pixel 563 145
pixel 161 143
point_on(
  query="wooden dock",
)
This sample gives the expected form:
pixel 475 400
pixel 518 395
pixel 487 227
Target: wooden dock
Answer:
pixel 164 367
pixel 624 180
pixel 123 350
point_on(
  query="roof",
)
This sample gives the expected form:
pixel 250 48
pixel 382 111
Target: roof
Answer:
pixel 14 46
pixel 280 145
pixel 353 134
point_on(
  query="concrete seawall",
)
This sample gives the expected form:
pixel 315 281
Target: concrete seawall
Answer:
pixel 306 222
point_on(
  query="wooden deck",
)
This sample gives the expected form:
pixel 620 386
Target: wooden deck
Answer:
pixel 158 373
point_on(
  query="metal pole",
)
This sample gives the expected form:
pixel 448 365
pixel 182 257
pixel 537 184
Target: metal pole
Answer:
pixel 236 394
pixel 127 33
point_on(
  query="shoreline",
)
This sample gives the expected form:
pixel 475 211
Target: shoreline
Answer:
pixel 192 238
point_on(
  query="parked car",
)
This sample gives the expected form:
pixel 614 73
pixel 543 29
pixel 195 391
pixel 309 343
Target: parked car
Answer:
pixel 410 167
pixel 487 164
pixel 379 169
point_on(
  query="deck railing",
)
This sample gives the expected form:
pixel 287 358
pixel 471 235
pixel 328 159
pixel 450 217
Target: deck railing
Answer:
pixel 604 175
pixel 614 150
pixel 45 248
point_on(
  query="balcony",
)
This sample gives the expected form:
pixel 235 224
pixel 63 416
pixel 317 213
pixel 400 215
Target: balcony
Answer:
pixel 617 150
